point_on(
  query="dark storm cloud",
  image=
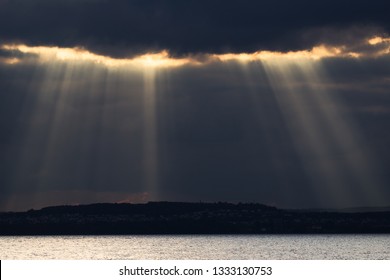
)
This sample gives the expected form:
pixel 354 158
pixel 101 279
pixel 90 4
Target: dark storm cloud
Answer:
pixel 126 27
pixel 10 54
pixel 15 54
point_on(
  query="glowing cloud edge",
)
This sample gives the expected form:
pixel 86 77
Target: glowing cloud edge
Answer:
pixel 164 60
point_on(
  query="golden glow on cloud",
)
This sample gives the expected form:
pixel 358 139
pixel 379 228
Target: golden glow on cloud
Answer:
pixel 47 54
pixel 384 43
pixel 163 59
pixel 315 53
pixel 378 40
pixel 12 60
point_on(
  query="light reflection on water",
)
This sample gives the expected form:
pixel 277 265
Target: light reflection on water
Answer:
pixel 195 247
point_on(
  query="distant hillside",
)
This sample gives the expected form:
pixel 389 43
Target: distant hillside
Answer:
pixel 187 218
pixel 345 210
pixel 365 209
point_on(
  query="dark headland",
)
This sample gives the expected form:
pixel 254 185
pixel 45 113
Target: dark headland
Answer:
pixel 190 218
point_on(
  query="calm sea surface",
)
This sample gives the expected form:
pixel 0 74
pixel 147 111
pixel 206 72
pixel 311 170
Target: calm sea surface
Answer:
pixel 198 247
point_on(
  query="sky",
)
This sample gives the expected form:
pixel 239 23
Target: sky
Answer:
pixel 285 103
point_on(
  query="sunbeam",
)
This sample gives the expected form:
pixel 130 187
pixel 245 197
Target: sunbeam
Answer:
pixel 150 132
pixel 266 126
pixel 332 152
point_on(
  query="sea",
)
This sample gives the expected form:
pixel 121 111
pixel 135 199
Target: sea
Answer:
pixel 197 247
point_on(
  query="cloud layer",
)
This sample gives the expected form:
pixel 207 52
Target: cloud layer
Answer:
pixel 126 27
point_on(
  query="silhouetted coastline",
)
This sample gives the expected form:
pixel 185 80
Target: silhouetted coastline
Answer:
pixel 188 218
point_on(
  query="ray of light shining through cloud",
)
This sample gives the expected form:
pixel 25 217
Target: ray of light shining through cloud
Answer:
pixel 328 145
pixel 83 112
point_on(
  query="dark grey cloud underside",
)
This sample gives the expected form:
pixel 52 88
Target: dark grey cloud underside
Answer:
pixel 126 27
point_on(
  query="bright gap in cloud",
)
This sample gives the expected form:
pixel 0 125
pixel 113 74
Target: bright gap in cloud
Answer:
pixel 48 54
pixel 164 60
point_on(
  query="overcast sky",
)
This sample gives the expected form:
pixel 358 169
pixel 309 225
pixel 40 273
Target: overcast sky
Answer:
pixel 285 103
